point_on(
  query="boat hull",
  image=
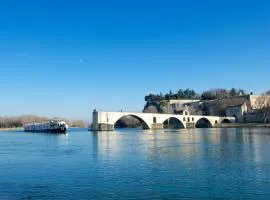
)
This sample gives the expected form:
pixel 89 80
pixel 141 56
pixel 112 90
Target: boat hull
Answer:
pixel 56 131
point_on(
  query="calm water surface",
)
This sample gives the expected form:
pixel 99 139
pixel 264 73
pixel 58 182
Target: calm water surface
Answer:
pixel 136 164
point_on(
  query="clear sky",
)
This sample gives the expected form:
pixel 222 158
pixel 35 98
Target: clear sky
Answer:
pixel 65 58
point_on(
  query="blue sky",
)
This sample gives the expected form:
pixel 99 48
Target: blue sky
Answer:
pixel 65 58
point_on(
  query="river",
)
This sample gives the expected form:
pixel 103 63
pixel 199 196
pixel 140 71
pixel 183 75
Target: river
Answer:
pixel 136 164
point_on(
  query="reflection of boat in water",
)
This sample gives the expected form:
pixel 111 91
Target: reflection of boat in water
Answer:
pixel 52 126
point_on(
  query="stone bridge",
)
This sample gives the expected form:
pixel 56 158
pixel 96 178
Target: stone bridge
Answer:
pixel 105 121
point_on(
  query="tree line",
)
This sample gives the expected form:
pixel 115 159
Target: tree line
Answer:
pixel 16 122
pixel 222 93
pixel 180 94
pixel 211 94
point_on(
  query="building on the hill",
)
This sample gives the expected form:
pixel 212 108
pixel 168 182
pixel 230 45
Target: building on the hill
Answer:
pixel 259 101
pixel 178 105
pixel 237 111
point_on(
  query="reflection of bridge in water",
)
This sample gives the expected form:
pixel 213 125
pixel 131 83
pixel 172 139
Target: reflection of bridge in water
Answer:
pixel 105 121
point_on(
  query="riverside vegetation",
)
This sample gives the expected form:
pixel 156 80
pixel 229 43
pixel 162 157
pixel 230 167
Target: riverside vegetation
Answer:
pixel 18 122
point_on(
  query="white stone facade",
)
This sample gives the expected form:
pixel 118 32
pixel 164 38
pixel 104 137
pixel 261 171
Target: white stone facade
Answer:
pixel 237 111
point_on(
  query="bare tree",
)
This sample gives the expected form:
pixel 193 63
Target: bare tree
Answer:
pixel 13 122
pixel 263 103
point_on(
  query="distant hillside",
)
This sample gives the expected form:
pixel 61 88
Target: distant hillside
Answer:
pixel 210 102
pixel 215 107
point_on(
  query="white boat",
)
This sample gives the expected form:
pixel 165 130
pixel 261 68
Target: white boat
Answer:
pixel 52 126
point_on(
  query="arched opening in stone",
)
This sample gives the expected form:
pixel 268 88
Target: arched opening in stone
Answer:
pixel 173 123
pixel 236 118
pixel 131 121
pixel 226 121
pixel 154 120
pixel 203 123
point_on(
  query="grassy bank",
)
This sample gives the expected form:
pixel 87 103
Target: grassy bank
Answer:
pixel 11 129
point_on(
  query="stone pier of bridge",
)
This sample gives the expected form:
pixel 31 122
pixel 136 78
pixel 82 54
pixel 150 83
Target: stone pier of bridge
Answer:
pixel 105 121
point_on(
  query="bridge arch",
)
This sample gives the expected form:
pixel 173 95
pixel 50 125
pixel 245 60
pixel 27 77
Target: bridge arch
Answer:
pixel 173 122
pixel 236 118
pixel 142 121
pixel 226 121
pixel 203 123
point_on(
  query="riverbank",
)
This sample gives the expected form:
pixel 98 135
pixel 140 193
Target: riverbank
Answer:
pixel 11 129
pixel 244 125
pixel 229 125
